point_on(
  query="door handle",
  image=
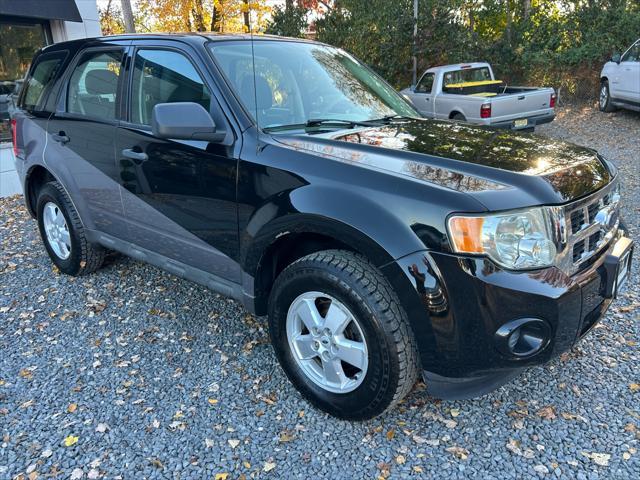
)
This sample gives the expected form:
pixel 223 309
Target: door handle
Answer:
pixel 133 155
pixel 60 137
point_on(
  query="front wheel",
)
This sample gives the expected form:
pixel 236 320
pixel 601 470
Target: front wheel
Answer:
pixel 341 335
pixel 604 101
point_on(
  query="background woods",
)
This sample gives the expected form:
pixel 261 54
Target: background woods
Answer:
pixel 560 43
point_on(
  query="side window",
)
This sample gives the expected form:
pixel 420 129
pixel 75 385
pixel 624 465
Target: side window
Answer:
pixel 93 85
pixel 41 80
pixel 164 76
pixel 425 84
pixel 633 55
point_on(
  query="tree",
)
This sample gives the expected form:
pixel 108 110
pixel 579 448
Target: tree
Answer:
pixel 128 16
pixel 290 21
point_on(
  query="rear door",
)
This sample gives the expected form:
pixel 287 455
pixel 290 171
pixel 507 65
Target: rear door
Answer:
pixel 36 106
pixel 82 134
pixel 179 196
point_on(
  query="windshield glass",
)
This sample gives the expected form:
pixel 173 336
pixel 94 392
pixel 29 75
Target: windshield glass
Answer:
pixel 296 82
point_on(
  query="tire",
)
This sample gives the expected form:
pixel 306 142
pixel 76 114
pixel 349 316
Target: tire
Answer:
pixel 458 117
pixel 604 99
pixel 346 280
pixel 78 256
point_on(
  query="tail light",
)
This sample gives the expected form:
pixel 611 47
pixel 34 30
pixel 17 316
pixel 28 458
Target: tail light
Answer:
pixel 552 100
pixel 485 110
pixel 14 135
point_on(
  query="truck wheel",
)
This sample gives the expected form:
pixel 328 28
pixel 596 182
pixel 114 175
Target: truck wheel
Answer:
pixel 63 234
pixel 341 336
pixel 605 98
pixel 458 117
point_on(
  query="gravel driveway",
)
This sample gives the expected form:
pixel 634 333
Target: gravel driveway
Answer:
pixel 132 373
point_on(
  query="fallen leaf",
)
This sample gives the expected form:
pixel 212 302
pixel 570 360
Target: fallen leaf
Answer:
pixel 390 434
pixel 459 452
pixel 221 476
pixel 234 443
pixel 634 387
pixel 548 412
pixel 268 466
pixel 601 459
pixel 454 412
pixel 46 453
pixel 400 459
pixel 450 423
pixel 418 469
pixel 72 407
pixel 70 441
pixel 212 401
pixel 286 436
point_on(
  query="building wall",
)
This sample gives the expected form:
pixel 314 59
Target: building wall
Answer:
pixel 90 26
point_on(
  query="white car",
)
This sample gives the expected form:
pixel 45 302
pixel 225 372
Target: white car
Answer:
pixel 620 81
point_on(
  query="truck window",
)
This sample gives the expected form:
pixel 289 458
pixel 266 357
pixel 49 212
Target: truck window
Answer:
pixel 93 85
pixel 41 79
pixel 425 85
pixel 467 75
pixel 633 54
pixel 164 76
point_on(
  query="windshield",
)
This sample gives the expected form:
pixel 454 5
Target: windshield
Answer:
pixel 296 82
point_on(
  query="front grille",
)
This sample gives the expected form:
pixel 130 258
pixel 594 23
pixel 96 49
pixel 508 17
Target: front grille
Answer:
pixel 591 223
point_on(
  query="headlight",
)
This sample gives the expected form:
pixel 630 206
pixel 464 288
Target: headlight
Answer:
pixel 514 240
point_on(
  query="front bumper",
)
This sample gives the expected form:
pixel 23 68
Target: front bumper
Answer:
pixel 465 301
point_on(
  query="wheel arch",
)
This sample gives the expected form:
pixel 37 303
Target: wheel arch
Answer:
pixel 301 235
pixel 456 112
pixel 36 177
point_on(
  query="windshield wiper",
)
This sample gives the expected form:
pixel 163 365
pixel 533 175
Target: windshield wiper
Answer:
pixel 338 123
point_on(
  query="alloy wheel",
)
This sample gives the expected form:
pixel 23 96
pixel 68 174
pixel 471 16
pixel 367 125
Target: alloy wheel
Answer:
pixel 327 342
pixel 57 231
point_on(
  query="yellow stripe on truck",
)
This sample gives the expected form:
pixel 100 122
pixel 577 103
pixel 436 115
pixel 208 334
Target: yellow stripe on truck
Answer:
pixel 473 84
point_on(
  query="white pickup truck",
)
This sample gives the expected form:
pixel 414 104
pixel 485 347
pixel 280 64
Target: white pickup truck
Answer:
pixel 470 93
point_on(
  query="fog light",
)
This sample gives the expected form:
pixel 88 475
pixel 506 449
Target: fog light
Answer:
pixel 523 337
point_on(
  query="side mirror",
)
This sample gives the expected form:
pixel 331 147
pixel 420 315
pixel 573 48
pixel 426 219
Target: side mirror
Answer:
pixel 616 58
pixel 184 121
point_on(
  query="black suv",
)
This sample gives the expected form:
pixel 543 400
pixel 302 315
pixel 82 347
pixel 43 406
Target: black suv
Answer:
pixel 287 175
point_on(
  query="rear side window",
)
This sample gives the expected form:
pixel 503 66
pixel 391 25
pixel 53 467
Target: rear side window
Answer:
pixel 93 86
pixel 164 76
pixel 41 80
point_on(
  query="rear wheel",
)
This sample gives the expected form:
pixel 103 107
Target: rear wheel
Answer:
pixel 341 335
pixel 458 117
pixel 63 234
pixel 604 101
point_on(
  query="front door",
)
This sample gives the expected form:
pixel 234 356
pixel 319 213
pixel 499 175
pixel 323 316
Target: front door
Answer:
pixel 82 135
pixel 423 97
pixel 629 69
pixel 179 196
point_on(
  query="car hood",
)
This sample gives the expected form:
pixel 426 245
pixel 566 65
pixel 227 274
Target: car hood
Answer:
pixel 469 159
